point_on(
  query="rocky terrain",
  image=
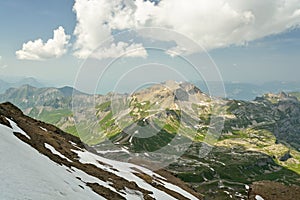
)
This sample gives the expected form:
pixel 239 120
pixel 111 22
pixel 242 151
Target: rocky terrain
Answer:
pixel 218 146
pixel 39 161
pixel 51 105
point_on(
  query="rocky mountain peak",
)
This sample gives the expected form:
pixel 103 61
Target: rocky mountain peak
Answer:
pixel 177 91
pixel 8 109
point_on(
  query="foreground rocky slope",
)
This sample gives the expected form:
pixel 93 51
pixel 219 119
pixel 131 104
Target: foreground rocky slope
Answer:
pixel 39 161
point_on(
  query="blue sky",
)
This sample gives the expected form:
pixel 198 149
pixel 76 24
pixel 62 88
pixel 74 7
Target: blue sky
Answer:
pixel 252 47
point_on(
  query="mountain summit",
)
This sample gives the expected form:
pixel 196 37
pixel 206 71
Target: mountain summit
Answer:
pixel 258 145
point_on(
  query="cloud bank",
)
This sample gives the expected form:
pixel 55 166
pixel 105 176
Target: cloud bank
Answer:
pixel 96 21
pixel 38 50
pixel 212 24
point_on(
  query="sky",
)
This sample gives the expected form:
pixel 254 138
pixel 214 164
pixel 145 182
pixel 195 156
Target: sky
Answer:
pixel 75 42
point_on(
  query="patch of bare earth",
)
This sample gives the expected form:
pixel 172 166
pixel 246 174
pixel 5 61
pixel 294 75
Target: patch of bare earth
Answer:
pixel 270 190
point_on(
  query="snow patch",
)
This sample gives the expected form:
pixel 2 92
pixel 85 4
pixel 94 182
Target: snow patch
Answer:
pixel 16 128
pixel 257 197
pixel 91 179
pixel 247 187
pixel 133 194
pixel 178 190
pixel 146 154
pixel 43 128
pixel 126 171
pixel 212 169
pixel 54 151
pixel 114 151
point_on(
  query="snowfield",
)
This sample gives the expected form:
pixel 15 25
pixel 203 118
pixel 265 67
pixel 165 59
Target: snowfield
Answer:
pixel 55 152
pixel 27 174
pixel 126 170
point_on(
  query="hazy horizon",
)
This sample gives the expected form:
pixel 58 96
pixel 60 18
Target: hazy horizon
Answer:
pixel 250 42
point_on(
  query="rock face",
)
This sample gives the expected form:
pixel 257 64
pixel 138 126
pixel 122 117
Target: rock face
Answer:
pixel 286 156
pixel 40 161
pixel 279 114
pixel 181 95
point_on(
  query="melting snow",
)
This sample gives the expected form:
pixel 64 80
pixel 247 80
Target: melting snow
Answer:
pixel 178 189
pixel 212 169
pixel 43 129
pixel 130 140
pixel 73 143
pixel 257 197
pixel 133 195
pixel 53 150
pixel 27 174
pixel 37 177
pixel 126 170
pixel 91 179
pixel 146 154
pixel 113 151
pixel 17 129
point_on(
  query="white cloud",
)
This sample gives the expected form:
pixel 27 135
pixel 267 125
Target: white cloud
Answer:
pixel 121 49
pixel 175 51
pixel 219 23
pixel 213 24
pixel 90 29
pixel 96 19
pixel 38 50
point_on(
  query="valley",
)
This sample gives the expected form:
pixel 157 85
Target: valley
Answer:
pixel 176 126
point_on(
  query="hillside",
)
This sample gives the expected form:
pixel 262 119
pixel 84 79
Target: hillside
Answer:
pixel 39 161
pixel 172 124
pixel 215 145
pixel 51 105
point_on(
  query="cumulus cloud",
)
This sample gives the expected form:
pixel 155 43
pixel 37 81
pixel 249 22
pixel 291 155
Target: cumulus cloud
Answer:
pixel 121 49
pixel 220 23
pixel 38 50
pixel 213 24
pixel 96 20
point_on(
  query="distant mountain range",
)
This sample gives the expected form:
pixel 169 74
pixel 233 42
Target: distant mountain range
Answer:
pixel 258 144
pixel 234 90
pixel 4 85
pixel 249 91
pixel 52 105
